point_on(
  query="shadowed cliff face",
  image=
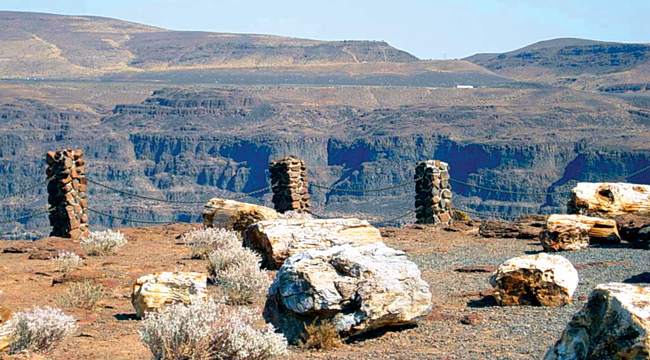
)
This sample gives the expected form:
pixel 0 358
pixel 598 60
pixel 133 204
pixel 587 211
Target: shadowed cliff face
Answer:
pixel 197 144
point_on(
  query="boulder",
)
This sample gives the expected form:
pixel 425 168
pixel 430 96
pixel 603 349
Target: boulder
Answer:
pixel 613 324
pixel 634 229
pixel 277 240
pixel 356 288
pixel 643 239
pixel 234 215
pixel 542 279
pixel 610 199
pixel 153 292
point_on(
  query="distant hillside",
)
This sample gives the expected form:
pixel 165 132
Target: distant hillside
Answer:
pixel 35 44
pixel 579 63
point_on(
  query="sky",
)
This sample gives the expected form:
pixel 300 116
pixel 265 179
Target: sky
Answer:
pixel 429 29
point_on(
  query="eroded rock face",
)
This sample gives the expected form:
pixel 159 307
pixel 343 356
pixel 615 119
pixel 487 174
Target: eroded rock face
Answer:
pixel 542 279
pixel 154 291
pixel 277 240
pixel 613 324
pixel 234 215
pixel 358 289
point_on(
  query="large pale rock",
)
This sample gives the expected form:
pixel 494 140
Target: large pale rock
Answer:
pixel 357 288
pixel 234 215
pixel 575 232
pixel 610 199
pixel 155 291
pixel 613 324
pixel 279 239
pixel 542 279
pixel 5 315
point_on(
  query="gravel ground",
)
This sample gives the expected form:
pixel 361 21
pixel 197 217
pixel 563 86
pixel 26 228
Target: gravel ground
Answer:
pixel 524 332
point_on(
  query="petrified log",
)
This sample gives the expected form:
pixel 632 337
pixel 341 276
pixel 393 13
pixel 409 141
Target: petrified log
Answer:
pixel 564 238
pixel 526 227
pixel 613 324
pixel 358 289
pixel 610 199
pixel 5 315
pixel 542 279
pixel 600 231
pixel 276 240
pixel 234 215
pixel 630 225
pixel 155 291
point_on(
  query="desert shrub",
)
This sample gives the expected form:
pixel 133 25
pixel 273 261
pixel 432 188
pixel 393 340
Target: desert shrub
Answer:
pixel 460 215
pixel 103 242
pixel 237 272
pixel 320 335
pixel 296 215
pixel 67 261
pixel 82 295
pixel 39 329
pixel 205 331
pixel 205 241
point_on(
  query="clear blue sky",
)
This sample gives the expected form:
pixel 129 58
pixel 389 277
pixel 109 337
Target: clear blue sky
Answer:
pixel 425 28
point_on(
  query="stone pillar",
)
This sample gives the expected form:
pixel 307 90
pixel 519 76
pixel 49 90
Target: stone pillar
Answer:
pixel 290 185
pixel 67 193
pixel 433 193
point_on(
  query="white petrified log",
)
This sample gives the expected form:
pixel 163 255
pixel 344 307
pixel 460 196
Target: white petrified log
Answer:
pixel 575 232
pixel 276 240
pixel 154 291
pixel 356 288
pixel 542 279
pixel 5 315
pixel 613 324
pixel 230 214
pixel 610 198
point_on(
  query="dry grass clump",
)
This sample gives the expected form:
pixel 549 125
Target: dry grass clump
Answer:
pixel 205 241
pixel 67 261
pixel 101 243
pixel 237 272
pixel 460 215
pixel 82 295
pixel 323 335
pixel 39 330
pixel 206 331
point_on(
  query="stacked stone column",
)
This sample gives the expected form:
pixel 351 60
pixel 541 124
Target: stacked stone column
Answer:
pixel 433 193
pixel 290 185
pixel 67 193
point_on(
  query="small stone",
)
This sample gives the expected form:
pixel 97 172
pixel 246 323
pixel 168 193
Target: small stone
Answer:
pixel 471 319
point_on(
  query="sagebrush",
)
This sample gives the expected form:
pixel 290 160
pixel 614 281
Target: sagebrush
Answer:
pixel 237 273
pixel 102 243
pixel 209 330
pixel 205 241
pixel 82 295
pixel 67 261
pixel 39 330
pixel 320 335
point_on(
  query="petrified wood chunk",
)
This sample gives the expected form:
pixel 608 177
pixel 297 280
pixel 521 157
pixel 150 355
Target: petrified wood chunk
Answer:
pixel 564 238
pixel 610 199
pixel 276 240
pixel 526 227
pixel 600 231
pixel 5 315
pixel 234 215
pixel 155 291
pixel 542 279
pixel 613 324
pixel 358 289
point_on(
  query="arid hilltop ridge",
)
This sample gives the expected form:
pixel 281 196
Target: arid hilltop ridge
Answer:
pixel 190 124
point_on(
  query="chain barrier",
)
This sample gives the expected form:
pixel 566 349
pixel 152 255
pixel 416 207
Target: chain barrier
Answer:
pixel 365 190
pixel 32 215
pixel 625 177
pixel 129 220
pixel 25 190
pixel 397 217
pixel 509 191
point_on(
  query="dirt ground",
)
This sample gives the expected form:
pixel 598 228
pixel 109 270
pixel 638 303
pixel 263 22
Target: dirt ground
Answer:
pixel 465 323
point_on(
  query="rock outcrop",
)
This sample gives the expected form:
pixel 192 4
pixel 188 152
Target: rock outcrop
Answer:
pixel 357 289
pixel 610 199
pixel 613 324
pixel 277 240
pixel 234 215
pixel 154 291
pixel 542 279
pixel 576 232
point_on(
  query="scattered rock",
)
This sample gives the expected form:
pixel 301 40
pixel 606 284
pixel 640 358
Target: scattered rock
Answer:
pixel 526 227
pixel 234 215
pixel 601 264
pixel 542 279
pixel 153 292
pixel 358 288
pixel 276 240
pixel 13 250
pixel 610 199
pixel 471 319
pixel 629 225
pixel 643 239
pixel 476 269
pixel 42 255
pixel 613 324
